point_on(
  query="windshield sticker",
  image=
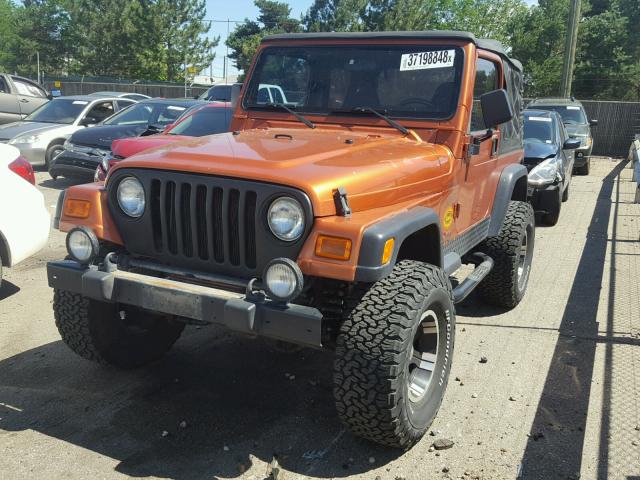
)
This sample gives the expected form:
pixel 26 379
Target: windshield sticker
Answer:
pixel 79 102
pixel 539 119
pixel 171 107
pixel 426 60
pixel 571 107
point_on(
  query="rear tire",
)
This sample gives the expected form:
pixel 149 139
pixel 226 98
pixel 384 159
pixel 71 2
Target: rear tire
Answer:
pixel 96 330
pixel 393 355
pixel 512 252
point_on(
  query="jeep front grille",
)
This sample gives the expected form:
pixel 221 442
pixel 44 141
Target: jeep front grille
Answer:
pixel 207 223
pixel 204 221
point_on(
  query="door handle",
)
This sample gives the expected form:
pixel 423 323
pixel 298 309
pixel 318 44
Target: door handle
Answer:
pixel 24 100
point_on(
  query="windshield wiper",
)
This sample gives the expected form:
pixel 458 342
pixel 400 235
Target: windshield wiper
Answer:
pixel 391 122
pixel 304 120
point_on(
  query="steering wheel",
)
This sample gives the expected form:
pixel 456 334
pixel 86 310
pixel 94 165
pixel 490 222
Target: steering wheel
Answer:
pixel 417 100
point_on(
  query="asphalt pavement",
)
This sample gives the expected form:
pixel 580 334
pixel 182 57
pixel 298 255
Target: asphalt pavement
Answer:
pixel 558 398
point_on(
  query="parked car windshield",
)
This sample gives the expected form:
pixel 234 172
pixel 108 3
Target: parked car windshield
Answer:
pixel 59 110
pixel 217 93
pixel 206 121
pixel 399 81
pixel 147 113
pixel 538 129
pixel 571 114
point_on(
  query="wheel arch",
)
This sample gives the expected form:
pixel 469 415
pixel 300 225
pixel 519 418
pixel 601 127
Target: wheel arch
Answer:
pixel 512 185
pixel 416 234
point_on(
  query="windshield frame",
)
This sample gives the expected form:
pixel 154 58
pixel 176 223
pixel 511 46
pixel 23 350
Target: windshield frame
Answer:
pixel 461 65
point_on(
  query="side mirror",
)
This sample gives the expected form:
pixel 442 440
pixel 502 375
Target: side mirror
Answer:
pixel 571 144
pixel 88 121
pixel 496 108
pixel 593 122
pixel 235 94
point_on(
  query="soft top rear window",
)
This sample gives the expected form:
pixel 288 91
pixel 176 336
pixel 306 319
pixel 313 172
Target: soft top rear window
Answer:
pixel 404 81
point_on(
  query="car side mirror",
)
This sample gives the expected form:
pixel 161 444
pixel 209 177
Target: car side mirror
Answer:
pixel 235 94
pixel 593 122
pixel 571 144
pixel 496 108
pixel 88 121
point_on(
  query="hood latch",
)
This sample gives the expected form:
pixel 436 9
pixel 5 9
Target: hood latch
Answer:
pixel 342 202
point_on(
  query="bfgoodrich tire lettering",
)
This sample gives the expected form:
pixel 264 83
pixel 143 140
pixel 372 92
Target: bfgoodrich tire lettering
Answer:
pixel 375 367
pixel 512 252
pixel 96 331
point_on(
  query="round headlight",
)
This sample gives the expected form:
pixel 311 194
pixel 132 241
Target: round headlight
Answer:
pixel 82 244
pixel 283 279
pixel 131 197
pixel 286 219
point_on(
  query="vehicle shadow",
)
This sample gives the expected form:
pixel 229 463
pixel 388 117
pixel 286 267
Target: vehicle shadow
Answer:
pixel 61 183
pixel 8 289
pixel 557 436
pixel 231 391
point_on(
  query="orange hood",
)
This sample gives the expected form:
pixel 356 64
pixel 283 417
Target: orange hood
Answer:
pixel 375 170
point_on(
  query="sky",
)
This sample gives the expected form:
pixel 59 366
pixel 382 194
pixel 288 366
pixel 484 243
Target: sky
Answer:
pixel 238 10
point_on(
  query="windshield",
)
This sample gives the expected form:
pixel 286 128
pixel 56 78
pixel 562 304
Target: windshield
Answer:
pixel 206 121
pixel 147 113
pixel 402 81
pixel 62 110
pixel 570 114
pixel 538 129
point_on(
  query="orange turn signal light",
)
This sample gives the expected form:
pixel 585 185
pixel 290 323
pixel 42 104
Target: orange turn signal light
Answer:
pixel 76 208
pixel 387 252
pixel 333 247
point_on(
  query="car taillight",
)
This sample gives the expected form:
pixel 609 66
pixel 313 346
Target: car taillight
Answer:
pixel 23 168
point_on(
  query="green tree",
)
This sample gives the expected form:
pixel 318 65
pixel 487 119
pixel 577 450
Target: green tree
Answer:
pixel 8 34
pixel 274 17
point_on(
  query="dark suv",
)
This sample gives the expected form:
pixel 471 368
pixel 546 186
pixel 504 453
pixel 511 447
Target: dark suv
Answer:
pixel 577 124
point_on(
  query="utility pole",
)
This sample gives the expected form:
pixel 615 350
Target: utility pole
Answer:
pixel 38 60
pixel 226 56
pixel 570 48
pixel 185 74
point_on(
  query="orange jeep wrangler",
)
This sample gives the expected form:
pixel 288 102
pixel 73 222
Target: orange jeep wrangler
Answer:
pixel 362 171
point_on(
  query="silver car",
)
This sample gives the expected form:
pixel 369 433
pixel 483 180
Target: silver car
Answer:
pixel 41 135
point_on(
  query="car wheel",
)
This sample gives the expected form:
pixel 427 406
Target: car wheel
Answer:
pixel 512 254
pixel 393 355
pixel 113 334
pixel 565 194
pixel 52 152
pixel 551 218
pixel 584 170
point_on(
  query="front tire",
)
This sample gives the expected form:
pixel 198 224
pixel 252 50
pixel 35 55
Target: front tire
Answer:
pixel 393 355
pixel 512 253
pixel 553 216
pixel 52 152
pixel 113 334
pixel 584 170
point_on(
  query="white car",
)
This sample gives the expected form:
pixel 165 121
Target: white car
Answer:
pixel 24 218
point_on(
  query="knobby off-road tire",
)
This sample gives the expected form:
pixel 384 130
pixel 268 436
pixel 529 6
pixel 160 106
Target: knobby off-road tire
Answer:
pixel 512 252
pixel 96 330
pixel 393 355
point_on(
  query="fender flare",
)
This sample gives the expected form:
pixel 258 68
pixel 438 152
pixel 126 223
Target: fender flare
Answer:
pixel 509 178
pixel 5 251
pixel 398 226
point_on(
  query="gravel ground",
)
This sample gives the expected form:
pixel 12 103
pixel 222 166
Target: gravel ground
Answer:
pixel 558 398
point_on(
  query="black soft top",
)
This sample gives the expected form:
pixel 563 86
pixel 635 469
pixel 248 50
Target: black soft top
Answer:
pixel 483 43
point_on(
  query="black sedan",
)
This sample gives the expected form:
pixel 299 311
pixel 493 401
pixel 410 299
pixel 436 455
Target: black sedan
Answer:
pixel 84 151
pixel 549 155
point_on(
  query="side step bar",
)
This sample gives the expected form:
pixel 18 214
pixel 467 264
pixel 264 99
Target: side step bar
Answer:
pixel 484 264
